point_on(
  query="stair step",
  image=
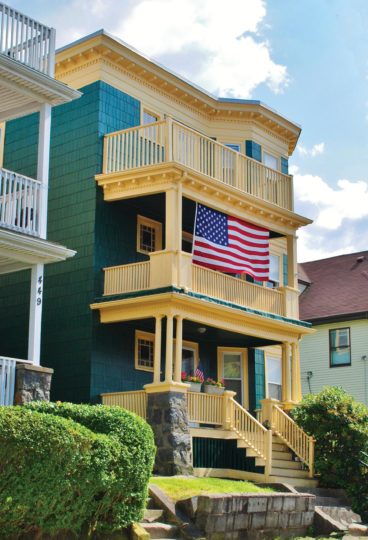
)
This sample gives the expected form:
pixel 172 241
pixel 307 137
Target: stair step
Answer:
pixel 285 456
pixel 279 447
pixel 285 464
pixel 151 515
pixel 294 481
pixel 277 471
pixel 160 530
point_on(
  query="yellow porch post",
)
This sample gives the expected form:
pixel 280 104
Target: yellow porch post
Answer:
pixel 292 264
pixel 171 220
pixel 169 349
pixel 286 391
pixel 178 348
pixel 157 350
pixel 295 370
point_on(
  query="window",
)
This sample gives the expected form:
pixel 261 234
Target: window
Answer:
pixel 187 242
pixel 190 353
pixel 270 161
pixel 274 275
pixel 149 235
pixel 149 118
pixel 144 350
pixel 340 347
pixel 273 377
pixel 232 366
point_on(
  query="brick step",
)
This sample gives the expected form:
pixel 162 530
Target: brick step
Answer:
pixel 160 530
pixel 151 515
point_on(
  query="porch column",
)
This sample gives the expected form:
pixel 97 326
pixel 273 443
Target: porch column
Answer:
pixel 157 350
pixel 292 264
pixel 35 314
pixel 178 348
pixel 169 349
pixel 295 370
pixel 286 393
pixel 43 157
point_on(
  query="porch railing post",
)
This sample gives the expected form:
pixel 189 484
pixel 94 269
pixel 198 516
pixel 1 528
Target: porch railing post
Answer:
pixel 228 410
pixel 268 453
pixel 311 457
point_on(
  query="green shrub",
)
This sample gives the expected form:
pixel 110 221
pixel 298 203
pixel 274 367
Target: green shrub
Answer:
pixel 66 466
pixel 339 425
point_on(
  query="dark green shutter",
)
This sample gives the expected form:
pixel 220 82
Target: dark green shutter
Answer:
pixel 253 150
pixel 284 165
pixel 259 371
pixel 285 269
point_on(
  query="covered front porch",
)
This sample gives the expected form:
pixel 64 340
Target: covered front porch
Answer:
pixel 243 349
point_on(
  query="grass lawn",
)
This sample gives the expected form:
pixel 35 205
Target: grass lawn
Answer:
pixel 182 488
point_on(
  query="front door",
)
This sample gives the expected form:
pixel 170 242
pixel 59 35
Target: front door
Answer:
pixel 232 367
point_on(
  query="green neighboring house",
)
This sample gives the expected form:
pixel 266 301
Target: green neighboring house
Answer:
pixel 334 298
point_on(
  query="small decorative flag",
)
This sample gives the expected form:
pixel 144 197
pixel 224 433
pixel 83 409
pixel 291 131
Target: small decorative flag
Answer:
pixel 230 245
pixel 199 373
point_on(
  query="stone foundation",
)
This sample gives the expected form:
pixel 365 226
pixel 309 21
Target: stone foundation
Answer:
pixel 168 416
pixel 248 516
pixel 32 383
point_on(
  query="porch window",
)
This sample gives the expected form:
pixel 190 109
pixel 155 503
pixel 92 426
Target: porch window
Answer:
pixel 189 356
pixel 233 368
pixel 144 350
pixel 274 275
pixel 270 161
pixel 340 351
pixel 148 117
pixel 274 377
pixel 149 235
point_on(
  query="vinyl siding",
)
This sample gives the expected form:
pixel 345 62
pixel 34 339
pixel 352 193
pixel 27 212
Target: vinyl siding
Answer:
pixel 314 354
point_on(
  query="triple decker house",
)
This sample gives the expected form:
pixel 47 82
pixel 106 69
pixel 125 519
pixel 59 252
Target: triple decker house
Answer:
pixel 180 207
pixel 27 85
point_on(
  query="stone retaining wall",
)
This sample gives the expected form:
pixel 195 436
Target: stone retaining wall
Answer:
pixel 251 516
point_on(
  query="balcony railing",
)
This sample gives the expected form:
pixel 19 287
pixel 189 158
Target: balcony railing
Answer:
pixel 19 202
pixel 26 40
pixel 170 141
pixel 160 272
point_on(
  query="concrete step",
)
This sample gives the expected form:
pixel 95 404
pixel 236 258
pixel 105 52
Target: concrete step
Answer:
pixel 295 482
pixel 160 530
pixel 331 501
pixel 152 515
pixel 343 515
pixel 277 471
pixel 285 456
pixel 284 464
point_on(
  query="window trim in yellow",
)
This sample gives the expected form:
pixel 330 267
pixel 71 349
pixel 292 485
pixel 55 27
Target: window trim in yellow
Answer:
pixel 148 336
pixel 157 225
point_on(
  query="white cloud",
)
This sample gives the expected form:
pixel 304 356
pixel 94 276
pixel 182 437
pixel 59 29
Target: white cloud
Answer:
pixel 339 215
pixel 235 60
pixel 316 150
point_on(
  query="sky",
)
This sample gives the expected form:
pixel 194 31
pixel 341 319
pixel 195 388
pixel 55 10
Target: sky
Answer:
pixel 308 59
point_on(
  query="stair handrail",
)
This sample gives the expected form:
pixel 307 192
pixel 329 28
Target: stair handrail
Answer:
pixel 251 432
pixel 294 437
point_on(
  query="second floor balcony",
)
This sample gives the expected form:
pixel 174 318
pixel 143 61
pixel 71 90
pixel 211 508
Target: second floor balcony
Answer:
pixel 20 203
pixel 167 268
pixel 169 141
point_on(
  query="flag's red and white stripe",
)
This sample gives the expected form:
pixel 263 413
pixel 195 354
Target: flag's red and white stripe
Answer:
pixel 247 250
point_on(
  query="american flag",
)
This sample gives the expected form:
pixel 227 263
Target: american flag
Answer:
pixel 230 245
pixel 199 373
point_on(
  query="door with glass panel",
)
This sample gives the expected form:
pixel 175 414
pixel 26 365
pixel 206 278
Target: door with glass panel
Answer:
pixel 233 369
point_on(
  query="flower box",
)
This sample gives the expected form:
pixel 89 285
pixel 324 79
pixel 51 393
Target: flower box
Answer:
pixel 211 389
pixel 195 387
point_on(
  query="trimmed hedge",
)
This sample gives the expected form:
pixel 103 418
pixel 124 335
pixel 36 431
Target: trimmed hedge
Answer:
pixel 66 467
pixel 339 425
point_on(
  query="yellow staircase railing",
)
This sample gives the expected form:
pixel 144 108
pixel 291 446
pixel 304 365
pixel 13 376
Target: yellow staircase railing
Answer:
pixel 294 437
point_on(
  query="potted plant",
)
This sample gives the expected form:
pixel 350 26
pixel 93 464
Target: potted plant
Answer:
pixel 211 386
pixel 195 381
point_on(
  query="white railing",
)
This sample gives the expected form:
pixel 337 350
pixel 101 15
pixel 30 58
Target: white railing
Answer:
pixel 7 380
pixel 26 40
pixel 237 291
pixel 250 431
pixel 205 408
pixel 135 401
pixel 169 140
pixel 19 202
pixel 127 278
pixel 294 437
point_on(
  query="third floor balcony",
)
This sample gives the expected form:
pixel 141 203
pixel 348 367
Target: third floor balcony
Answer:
pixel 168 141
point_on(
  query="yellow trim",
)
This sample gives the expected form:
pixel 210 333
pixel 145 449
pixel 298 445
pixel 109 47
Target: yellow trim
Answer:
pixel 156 225
pixel 244 357
pixel 157 388
pixel 139 334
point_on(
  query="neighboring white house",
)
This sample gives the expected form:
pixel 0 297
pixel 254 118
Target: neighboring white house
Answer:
pixel 27 85
pixel 334 298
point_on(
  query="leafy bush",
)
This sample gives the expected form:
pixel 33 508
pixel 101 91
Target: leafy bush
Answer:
pixel 64 467
pixel 339 425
